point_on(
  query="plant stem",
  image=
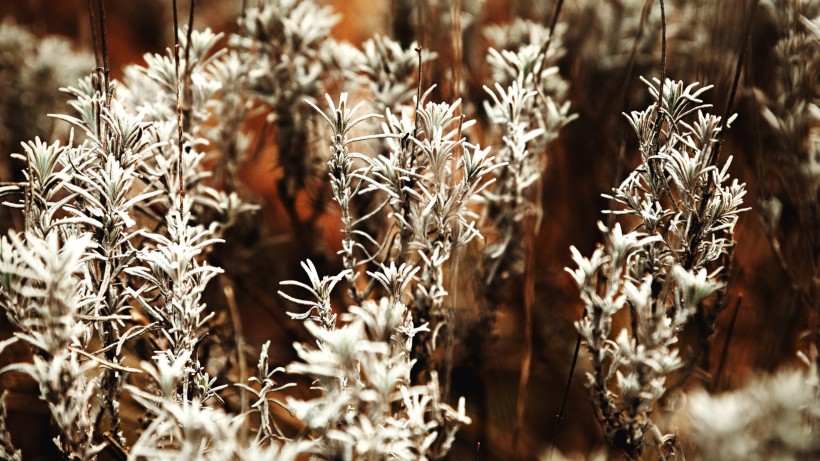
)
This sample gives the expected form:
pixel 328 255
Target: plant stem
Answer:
pixel 179 110
pixel 560 416
pixel 725 353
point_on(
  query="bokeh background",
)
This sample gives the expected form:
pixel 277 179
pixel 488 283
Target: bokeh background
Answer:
pixel 773 276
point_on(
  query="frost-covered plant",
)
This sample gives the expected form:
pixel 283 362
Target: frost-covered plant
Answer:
pixel 640 360
pixel 43 295
pixel 282 40
pixel 367 407
pixel 793 111
pixel 31 69
pixel 120 172
pixel 120 221
pixel 151 89
pixel 432 176
pixel 342 175
pixel 86 188
pixel 363 368
pixel 100 176
pixel 389 71
pixel 525 52
pixel 129 172
pixel 319 309
pixel 678 181
pixel 771 417
pixel 188 429
pixel 685 211
pixel 528 104
pixel 427 177
pixel 268 430
pixel 212 118
pixel 171 297
pixel 790 171
pixel 610 32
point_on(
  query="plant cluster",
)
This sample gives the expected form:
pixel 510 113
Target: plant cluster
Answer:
pixel 683 210
pixel 108 282
pixel 119 222
pixel 781 411
pixel 789 176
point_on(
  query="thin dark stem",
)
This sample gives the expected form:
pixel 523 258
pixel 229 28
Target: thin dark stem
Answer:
pixel 724 354
pixel 707 195
pixel 421 21
pixel 106 70
pixel 735 81
pixel 404 233
pixel 630 69
pixel 418 101
pixel 539 69
pixel 457 49
pixel 655 170
pixel 659 119
pixel 110 379
pixel 97 68
pixel 546 46
pixel 93 27
pixel 560 416
pixel 179 109
pixel 633 55
pixel 102 126
pixel 115 447
pixel 176 23
pixel 236 320
pixel 663 47
pixel 187 89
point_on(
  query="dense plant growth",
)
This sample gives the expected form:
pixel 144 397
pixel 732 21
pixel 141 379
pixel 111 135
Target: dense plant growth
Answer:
pixel 427 175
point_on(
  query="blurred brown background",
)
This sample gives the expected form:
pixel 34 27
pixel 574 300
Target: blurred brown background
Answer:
pixel 582 165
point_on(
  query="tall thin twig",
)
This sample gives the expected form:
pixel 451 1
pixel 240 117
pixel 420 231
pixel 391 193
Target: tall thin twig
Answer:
pixel 735 81
pixel 455 12
pixel 236 321
pixel 97 64
pixel 404 234
pixel 187 87
pixel 659 118
pixel 418 96
pixel 179 110
pixel 560 416
pixel 624 96
pixel 713 157
pixel 110 377
pixel 725 352
pixel 106 69
pixel 93 28
pixel 546 46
